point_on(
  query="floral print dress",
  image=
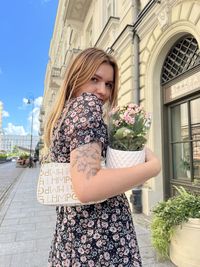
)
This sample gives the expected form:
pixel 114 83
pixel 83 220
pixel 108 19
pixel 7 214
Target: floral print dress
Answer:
pixel 95 235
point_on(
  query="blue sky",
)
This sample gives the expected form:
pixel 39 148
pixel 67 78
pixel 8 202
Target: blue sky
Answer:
pixel 25 35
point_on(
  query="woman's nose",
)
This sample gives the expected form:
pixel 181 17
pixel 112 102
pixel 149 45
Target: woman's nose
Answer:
pixel 101 88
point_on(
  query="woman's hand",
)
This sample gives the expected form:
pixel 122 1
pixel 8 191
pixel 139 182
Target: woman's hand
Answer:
pixel 151 157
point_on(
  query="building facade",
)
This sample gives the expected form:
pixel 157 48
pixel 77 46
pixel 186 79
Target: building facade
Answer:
pixel 156 44
pixel 8 142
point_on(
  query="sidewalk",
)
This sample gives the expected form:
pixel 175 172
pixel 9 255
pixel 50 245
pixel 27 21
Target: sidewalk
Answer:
pixel 149 259
pixel 26 228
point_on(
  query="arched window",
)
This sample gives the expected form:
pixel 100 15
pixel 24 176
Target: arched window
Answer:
pixel 183 56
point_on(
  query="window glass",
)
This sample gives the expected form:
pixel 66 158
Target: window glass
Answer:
pixel 196 161
pixel 180 123
pixel 195 118
pixel 195 125
pixel 181 161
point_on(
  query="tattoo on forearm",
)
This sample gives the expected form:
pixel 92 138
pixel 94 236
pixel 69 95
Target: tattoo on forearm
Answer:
pixel 87 159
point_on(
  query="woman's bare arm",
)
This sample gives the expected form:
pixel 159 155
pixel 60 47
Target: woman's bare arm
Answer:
pixel 92 183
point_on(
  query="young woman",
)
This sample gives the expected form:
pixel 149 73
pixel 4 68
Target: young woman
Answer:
pixel 100 234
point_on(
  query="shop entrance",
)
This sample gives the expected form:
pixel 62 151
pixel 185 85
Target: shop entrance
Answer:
pixel 181 116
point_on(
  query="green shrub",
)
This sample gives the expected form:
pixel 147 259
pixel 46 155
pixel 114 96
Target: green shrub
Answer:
pixel 24 156
pixel 3 156
pixel 170 213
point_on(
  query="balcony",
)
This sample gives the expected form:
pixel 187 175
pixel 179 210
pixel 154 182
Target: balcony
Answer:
pixel 42 111
pixel 76 10
pixel 41 128
pixel 55 72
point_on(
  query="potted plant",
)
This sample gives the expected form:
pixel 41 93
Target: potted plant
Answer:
pixel 175 228
pixel 128 128
pixel 22 160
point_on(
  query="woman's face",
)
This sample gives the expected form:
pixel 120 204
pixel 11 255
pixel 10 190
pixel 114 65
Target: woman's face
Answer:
pixel 101 84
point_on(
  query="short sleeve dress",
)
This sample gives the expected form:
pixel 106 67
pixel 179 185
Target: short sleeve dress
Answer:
pixel 94 235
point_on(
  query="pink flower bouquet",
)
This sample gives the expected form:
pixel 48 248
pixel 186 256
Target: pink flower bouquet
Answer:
pixel 128 129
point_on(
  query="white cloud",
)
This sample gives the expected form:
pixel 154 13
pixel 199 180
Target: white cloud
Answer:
pixel 38 101
pixel 24 104
pixel 14 130
pixel 5 113
pixel 25 101
pixel 36 113
pixel 1 72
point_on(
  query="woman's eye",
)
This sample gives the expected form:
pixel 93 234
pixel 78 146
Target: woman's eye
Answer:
pixel 94 79
pixel 109 85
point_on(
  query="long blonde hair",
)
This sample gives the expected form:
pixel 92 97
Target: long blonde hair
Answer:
pixel 81 71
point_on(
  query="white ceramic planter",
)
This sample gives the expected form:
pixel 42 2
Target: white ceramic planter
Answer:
pixel 185 244
pixel 120 159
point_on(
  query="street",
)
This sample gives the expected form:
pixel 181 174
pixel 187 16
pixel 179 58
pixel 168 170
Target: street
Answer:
pixel 8 176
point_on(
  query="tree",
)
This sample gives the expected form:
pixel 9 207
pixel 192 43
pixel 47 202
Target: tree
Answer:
pixel 15 150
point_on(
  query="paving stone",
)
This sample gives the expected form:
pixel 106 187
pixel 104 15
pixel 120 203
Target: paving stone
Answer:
pixel 35 259
pixel 141 230
pixel 53 217
pixel 8 237
pixel 44 244
pixel 45 225
pixel 33 235
pixel 13 210
pixel 17 228
pixel 12 214
pixel 38 219
pixel 8 177
pixel 10 248
pixel 21 197
pixel 45 212
pixel 5 260
pixel 144 240
pixel 148 255
pixel 34 210
pixel 24 205
pixel 7 222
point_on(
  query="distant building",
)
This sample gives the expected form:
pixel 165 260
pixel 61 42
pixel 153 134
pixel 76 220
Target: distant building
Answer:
pixel 9 141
